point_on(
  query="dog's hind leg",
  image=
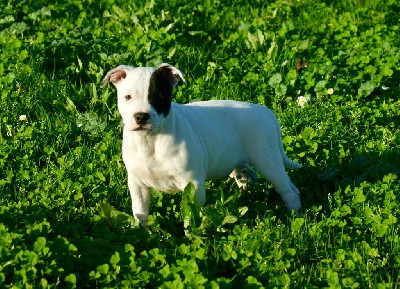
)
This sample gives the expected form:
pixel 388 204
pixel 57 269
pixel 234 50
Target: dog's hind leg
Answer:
pixel 272 168
pixel 243 175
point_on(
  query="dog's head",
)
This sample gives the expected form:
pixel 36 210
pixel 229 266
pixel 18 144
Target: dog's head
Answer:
pixel 144 94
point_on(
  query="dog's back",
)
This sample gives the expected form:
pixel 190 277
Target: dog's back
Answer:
pixel 230 132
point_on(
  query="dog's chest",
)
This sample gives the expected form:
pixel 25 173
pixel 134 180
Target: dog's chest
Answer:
pixel 159 164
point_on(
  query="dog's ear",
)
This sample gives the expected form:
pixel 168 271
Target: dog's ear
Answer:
pixel 173 74
pixel 115 75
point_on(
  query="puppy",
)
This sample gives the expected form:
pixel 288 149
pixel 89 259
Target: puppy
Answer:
pixel 166 145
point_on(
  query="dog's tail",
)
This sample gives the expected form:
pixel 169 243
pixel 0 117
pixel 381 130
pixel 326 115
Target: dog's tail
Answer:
pixel 288 162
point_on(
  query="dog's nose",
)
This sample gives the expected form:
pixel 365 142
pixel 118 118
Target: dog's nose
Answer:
pixel 141 117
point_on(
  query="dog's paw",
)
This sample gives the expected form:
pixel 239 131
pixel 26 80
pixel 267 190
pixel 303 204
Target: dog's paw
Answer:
pixel 243 176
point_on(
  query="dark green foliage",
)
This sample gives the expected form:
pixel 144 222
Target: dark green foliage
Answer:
pixel 329 70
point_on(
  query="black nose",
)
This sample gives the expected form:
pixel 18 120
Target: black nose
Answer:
pixel 141 117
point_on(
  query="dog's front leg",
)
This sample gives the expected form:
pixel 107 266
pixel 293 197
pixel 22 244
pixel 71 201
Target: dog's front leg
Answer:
pixel 140 196
pixel 200 196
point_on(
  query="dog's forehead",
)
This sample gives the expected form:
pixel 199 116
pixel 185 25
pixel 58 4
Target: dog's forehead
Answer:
pixel 140 75
pixel 137 81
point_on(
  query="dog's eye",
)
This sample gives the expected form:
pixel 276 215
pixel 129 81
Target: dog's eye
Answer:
pixel 128 97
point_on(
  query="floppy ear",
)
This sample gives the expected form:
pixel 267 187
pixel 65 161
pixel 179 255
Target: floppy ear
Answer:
pixel 173 74
pixel 115 75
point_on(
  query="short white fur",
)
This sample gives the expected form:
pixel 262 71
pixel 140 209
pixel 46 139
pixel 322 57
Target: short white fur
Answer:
pixel 195 142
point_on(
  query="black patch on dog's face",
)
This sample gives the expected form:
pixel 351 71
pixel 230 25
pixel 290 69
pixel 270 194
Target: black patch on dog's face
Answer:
pixel 160 90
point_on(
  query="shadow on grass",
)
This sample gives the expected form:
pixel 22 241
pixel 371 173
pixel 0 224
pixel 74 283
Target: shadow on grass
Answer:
pixel 77 243
pixel 318 185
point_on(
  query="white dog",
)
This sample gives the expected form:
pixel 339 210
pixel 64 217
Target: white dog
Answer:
pixel 167 145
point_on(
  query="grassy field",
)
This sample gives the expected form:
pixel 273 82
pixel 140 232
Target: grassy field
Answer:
pixel 330 72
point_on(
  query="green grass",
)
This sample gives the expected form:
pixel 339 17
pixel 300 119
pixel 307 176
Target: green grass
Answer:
pixel 64 203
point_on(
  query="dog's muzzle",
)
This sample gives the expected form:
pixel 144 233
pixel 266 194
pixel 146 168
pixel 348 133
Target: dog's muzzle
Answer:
pixel 142 121
pixel 141 118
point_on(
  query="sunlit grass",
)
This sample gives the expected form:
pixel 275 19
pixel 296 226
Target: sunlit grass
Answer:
pixel 330 72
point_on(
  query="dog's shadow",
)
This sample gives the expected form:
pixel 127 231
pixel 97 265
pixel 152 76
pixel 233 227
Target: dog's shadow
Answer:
pixel 317 185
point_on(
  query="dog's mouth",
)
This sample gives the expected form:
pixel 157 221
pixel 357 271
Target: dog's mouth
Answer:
pixel 141 128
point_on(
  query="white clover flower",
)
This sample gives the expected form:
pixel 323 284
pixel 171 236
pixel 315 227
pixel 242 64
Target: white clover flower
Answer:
pixel 169 26
pixel 329 91
pixel 301 101
pixel 22 117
